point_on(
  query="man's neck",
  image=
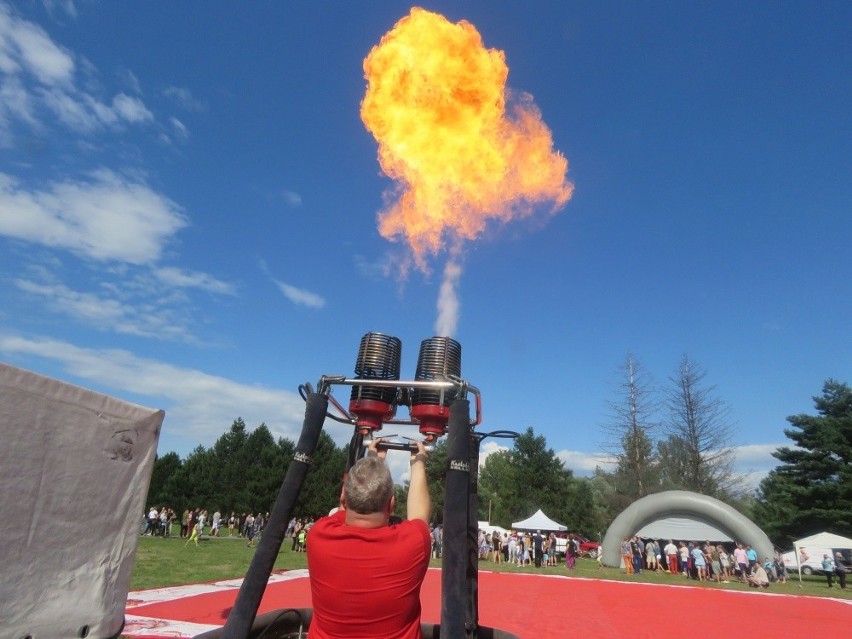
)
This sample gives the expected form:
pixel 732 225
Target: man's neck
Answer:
pixel 370 520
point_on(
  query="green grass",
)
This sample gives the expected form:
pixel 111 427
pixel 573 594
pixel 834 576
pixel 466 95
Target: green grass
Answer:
pixel 170 562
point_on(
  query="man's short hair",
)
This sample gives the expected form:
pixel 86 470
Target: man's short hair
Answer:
pixel 368 487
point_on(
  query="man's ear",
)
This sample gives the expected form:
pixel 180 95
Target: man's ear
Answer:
pixel 343 499
pixel 391 504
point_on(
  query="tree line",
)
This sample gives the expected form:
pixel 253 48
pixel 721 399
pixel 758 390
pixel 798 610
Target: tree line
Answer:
pixel 809 492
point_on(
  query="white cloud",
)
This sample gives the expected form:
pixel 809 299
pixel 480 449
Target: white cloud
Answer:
pixel 15 104
pixel 152 319
pixel 182 278
pixel 131 109
pixel 128 300
pixel 179 128
pixel 25 47
pixel 38 75
pixel 129 78
pixel 300 296
pixel 184 97
pixel 293 199
pixel 583 463
pixel 104 217
pixel 199 406
pixel 65 5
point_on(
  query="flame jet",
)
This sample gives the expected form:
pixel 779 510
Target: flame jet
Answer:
pixel 436 102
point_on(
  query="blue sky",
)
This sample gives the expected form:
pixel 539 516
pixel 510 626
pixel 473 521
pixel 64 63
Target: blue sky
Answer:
pixel 188 203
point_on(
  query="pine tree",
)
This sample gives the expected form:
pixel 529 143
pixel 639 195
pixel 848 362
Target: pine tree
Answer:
pixel 811 491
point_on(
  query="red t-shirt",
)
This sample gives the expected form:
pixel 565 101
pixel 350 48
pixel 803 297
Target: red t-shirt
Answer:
pixel 365 582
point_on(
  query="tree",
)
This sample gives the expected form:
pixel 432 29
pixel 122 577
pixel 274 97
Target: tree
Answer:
pixel 321 488
pixel 525 479
pixel 496 487
pixel 584 516
pixel 262 470
pixel 811 491
pixel 436 475
pixel 699 433
pixel 630 431
pixel 164 468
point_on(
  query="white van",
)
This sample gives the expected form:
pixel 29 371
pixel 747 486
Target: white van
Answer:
pixel 810 559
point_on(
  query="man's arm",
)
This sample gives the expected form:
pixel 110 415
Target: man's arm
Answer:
pixel 419 503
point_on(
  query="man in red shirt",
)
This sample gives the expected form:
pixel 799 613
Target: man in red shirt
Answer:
pixel 365 574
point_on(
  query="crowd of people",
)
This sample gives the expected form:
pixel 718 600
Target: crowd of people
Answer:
pixel 196 522
pixel 703 562
pixel 517 548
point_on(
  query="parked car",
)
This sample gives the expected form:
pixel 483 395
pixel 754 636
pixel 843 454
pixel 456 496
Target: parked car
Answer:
pixel 587 547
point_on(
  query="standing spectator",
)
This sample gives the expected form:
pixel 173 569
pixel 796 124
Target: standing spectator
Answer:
pixel 840 569
pixel 496 547
pixel 164 522
pixel 637 547
pixel 538 547
pixel 725 560
pixel 671 556
pixel 626 555
pixel 741 560
pixel 684 558
pixel 828 569
pixel 217 517
pixel 296 530
pixel 437 541
pixel 651 555
pixel 571 553
pixel 700 563
pixel 751 553
pixel 151 523
pixel 716 563
pixel 184 523
pixel 780 568
pixel 250 530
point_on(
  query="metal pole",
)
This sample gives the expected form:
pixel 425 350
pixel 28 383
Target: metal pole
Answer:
pixel 251 592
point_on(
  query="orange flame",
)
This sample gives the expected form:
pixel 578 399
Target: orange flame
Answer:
pixel 436 104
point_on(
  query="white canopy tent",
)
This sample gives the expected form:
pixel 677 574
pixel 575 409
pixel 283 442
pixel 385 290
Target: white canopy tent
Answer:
pixel 821 542
pixel 539 521
pixel 491 528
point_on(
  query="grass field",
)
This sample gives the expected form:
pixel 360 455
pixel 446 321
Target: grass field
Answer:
pixel 170 562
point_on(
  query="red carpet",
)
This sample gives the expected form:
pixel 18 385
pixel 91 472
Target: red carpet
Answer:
pixel 540 606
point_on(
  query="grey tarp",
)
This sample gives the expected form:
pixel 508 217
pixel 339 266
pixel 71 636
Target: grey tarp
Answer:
pixel 74 470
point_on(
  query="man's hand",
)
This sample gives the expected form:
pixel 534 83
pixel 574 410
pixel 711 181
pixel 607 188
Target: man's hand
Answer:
pixel 373 451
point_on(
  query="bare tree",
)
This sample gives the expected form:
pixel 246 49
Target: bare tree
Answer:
pixel 630 432
pixel 697 454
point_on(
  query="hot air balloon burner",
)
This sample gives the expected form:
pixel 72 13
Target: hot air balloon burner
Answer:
pixel 439 360
pixel 378 359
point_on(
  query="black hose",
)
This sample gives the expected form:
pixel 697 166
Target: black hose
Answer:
pixel 455 560
pixel 251 592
